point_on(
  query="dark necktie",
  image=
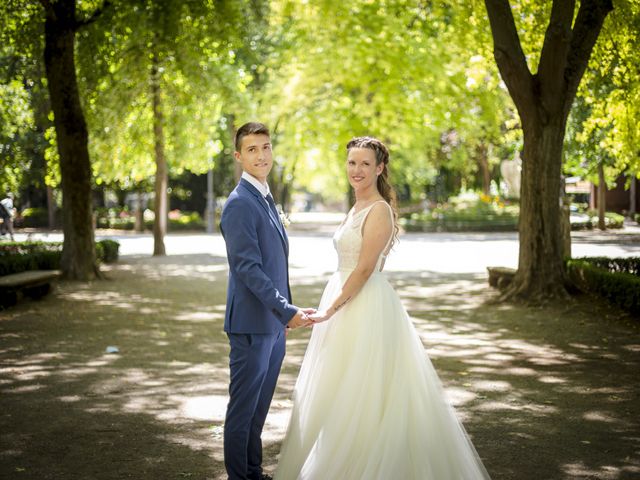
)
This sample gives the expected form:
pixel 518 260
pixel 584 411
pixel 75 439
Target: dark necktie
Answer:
pixel 274 211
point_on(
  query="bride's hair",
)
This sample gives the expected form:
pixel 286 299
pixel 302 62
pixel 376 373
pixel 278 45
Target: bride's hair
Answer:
pixel 384 187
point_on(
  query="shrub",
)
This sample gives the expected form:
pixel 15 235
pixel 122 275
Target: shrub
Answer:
pixel 186 221
pixel 468 212
pixel 16 257
pixel 34 218
pixel 107 250
pixel 620 286
pixel 629 265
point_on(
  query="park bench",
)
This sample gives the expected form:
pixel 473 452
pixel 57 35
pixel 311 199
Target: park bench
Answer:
pixel 500 277
pixel 33 284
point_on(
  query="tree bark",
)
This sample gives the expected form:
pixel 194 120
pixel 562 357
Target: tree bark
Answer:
pixel 543 102
pixel 231 130
pixel 602 191
pixel 51 208
pixel 161 180
pixel 78 253
pixel 483 164
pixel 633 187
pixel 139 214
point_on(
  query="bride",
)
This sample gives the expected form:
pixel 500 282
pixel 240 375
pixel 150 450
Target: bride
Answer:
pixel 368 404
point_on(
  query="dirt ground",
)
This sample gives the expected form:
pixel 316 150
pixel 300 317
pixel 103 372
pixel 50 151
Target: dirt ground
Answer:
pixel 546 393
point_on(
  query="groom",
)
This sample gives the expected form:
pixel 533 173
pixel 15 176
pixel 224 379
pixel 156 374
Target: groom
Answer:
pixel 258 302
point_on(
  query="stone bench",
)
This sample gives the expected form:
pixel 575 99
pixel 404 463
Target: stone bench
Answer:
pixel 500 277
pixel 33 284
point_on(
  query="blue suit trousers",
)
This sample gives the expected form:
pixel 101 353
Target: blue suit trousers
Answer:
pixel 254 362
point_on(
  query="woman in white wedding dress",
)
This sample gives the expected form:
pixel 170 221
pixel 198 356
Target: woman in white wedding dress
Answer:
pixel 368 404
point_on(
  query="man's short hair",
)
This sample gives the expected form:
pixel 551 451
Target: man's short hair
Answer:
pixel 251 128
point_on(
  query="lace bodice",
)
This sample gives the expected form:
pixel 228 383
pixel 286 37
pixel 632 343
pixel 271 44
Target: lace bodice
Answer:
pixel 348 239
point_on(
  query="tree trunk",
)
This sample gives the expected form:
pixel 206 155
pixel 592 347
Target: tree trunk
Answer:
pixel 633 187
pixel 540 263
pixel 161 181
pixel 483 164
pixel 602 190
pixel 51 208
pixel 543 101
pixel 78 252
pixel 139 213
pixel 231 129
pixel 565 221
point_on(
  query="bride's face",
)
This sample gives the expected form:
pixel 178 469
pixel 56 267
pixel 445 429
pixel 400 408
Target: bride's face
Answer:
pixel 362 169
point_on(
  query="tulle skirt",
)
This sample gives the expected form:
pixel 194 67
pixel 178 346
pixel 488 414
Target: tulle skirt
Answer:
pixel 368 403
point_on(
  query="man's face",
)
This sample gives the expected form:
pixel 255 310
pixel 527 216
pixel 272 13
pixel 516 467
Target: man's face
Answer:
pixel 255 156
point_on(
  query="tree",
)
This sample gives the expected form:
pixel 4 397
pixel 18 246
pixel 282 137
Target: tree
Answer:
pixel 60 27
pixel 157 76
pixel 24 107
pixel 603 138
pixel 543 100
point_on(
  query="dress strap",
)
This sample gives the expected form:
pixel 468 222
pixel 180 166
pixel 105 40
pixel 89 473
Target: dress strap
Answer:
pixel 390 210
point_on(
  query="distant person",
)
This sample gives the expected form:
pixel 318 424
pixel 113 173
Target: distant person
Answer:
pixel 6 213
pixel 368 403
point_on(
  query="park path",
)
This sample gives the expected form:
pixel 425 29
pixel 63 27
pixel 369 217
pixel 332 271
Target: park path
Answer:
pixel 548 393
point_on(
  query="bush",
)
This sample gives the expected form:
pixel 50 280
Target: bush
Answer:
pixel 186 221
pixel 107 250
pixel 629 265
pixel 34 218
pixel 467 212
pixel 611 220
pixel 620 286
pixel 16 257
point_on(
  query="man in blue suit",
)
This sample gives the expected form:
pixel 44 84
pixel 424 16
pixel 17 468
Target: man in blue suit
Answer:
pixel 259 305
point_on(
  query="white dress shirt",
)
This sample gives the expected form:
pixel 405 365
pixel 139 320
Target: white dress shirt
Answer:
pixel 263 188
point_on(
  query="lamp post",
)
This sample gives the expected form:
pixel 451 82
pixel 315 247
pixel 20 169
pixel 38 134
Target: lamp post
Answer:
pixel 210 211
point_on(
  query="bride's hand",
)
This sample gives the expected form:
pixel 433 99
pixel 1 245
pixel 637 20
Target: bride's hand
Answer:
pixel 320 316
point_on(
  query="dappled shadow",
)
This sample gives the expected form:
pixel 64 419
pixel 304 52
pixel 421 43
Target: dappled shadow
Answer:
pixel 544 393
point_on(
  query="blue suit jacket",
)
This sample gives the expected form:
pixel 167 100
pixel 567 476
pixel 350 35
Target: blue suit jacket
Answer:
pixel 258 294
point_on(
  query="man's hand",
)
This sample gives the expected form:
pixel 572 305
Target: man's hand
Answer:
pixel 300 319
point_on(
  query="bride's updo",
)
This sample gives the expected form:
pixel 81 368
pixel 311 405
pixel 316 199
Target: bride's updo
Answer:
pixel 382 156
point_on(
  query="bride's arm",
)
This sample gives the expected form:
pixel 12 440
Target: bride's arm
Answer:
pixel 375 235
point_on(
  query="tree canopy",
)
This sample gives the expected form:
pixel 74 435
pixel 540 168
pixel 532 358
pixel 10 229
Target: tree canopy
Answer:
pixel 418 75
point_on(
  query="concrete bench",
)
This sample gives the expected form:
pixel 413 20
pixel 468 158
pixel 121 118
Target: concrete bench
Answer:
pixel 33 284
pixel 500 277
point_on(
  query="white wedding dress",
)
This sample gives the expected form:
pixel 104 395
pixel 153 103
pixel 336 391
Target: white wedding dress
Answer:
pixel 368 404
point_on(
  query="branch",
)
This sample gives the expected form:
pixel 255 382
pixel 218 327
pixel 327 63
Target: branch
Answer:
pixel 553 58
pixel 48 9
pixel 585 33
pixel 508 53
pixel 94 16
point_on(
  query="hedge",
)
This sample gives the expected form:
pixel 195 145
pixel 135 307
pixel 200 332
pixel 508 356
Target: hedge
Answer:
pixel 16 257
pixel 616 279
pixel 615 265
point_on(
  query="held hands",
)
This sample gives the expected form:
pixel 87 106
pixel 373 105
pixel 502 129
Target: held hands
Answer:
pixel 301 319
pixel 320 316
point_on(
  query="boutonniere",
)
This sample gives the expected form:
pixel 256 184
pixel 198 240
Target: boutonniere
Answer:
pixel 284 218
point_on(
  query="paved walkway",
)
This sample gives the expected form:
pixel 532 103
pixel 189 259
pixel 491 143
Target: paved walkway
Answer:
pixel 545 393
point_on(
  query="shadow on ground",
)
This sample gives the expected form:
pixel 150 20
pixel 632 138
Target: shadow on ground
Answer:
pixel 545 393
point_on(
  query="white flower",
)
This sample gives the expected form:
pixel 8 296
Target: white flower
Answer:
pixel 284 218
